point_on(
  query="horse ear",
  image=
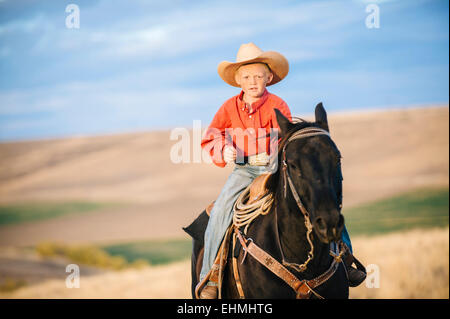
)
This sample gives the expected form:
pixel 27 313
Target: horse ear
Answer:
pixel 283 122
pixel 321 117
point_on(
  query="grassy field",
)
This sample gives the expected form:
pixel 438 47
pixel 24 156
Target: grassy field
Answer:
pixel 422 208
pixel 412 235
pixel 30 212
pixel 89 255
pixel 155 252
pixel 418 209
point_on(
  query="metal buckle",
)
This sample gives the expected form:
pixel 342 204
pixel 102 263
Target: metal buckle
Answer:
pixel 261 159
pixel 245 250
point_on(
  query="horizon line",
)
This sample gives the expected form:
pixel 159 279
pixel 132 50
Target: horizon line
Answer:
pixel 358 111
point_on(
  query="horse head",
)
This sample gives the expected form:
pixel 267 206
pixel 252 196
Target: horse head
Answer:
pixel 313 165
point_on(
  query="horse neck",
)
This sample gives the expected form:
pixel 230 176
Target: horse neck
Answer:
pixel 293 235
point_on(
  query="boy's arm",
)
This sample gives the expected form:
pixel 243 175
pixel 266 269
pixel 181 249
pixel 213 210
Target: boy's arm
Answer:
pixel 214 140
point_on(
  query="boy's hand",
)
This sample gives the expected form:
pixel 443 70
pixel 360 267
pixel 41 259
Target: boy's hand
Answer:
pixel 229 154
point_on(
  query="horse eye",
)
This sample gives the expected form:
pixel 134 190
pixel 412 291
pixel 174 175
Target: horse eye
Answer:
pixel 296 168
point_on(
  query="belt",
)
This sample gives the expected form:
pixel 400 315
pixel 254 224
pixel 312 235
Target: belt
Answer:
pixel 261 159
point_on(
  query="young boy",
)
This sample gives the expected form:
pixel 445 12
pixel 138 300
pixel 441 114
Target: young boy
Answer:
pixel 234 135
pixel 246 114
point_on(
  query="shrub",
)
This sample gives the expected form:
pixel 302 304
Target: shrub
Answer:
pixel 87 255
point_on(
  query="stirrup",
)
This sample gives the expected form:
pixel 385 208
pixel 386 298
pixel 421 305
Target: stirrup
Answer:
pixel 212 277
pixel 209 291
pixel 356 275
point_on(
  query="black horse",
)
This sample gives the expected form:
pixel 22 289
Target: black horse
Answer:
pixel 313 164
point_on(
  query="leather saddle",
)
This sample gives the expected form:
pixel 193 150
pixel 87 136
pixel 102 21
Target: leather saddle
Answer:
pixel 257 190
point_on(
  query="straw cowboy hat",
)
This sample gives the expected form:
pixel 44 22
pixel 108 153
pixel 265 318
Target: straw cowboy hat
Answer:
pixel 250 53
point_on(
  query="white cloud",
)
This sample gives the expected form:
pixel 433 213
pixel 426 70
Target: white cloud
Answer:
pixel 199 28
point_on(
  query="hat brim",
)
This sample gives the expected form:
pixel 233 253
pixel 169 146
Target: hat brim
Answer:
pixel 277 63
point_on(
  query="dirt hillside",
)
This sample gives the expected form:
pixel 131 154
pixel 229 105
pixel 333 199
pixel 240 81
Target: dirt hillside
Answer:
pixel 384 153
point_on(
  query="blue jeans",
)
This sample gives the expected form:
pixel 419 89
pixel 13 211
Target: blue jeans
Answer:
pixel 222 212
pixel 346 239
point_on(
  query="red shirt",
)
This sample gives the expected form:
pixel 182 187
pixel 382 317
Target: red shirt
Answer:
pixel 235 125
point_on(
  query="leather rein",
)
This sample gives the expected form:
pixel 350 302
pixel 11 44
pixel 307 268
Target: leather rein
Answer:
pixel 303 288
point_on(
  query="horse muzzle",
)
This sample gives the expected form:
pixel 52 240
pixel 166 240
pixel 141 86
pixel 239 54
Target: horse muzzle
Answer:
pixel 328 227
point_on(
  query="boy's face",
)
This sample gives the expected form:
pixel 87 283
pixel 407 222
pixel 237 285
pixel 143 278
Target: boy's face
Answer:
pixel 253 79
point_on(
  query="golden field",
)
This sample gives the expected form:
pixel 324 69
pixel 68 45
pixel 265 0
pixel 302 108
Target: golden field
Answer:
pixel 414 264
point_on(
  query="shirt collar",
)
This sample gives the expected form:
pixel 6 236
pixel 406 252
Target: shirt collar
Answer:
pixel 255 105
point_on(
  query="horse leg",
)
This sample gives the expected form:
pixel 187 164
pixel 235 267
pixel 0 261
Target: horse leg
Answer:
pixel 196 264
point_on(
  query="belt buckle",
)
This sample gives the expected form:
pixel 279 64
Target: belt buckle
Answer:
pixel 261 159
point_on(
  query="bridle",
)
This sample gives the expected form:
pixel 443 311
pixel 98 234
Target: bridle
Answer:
pixel 302 133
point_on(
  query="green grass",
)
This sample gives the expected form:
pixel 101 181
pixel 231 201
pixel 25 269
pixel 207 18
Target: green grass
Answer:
pixel 155 252
pixel 29 212
pixel 120 256
pixel 418 209
pixel 87 255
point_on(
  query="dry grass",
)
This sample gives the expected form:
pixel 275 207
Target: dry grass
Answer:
pixel 170 281
pixel 412 265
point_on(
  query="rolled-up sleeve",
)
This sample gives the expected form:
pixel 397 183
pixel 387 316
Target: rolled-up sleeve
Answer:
pixel 214 139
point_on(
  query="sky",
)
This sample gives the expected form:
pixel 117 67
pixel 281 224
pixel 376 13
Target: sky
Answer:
pixel 142 65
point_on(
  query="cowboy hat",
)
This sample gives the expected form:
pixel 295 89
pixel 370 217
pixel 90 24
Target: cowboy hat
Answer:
pixel 250 53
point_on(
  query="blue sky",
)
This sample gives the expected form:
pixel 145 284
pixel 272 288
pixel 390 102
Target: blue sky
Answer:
pixel 141 65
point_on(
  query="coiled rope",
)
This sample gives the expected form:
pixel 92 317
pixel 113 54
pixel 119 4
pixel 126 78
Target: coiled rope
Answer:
pixel 245 213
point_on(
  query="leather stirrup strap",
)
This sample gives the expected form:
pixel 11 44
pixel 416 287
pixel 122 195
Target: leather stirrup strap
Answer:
pixel 354 260
pixel 216 272
pixel 359 265
pixel 223 253
pixel 237 278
